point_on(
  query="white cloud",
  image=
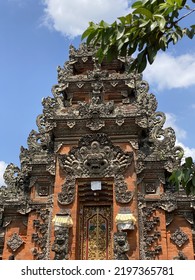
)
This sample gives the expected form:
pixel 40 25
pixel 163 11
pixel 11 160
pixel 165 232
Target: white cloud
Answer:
pixel 3 166
pixel 181 135
pixel 71 18
pixel 168 71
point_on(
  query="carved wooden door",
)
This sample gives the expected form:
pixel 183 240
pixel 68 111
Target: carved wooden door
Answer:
pixel 95 229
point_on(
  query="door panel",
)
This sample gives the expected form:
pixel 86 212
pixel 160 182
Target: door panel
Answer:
pixel 95 229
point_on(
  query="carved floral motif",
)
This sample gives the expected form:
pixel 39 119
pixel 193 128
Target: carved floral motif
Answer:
pixel 15 242
pixel 179 237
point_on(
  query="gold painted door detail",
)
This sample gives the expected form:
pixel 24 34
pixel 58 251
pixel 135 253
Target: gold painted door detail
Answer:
pixel 96 233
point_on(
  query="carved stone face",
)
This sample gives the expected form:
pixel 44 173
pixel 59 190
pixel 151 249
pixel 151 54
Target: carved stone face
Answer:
pixel 121 240
pixel 60 236
pixel 96 164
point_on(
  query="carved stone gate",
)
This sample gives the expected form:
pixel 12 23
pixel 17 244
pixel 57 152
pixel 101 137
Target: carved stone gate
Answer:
pixel 100 127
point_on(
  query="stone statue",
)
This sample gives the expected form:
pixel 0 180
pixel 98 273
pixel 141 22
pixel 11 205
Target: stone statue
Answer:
pixel 121 246
pixel 60 245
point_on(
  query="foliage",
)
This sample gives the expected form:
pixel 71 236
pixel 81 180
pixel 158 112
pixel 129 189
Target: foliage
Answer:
pixel 185 176
pixel 151 26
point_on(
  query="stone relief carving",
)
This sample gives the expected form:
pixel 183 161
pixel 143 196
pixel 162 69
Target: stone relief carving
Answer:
pixel 41 235
pixel 150 188
pixel 16 183
pixel 180 256
pixel 15 242
pixel 168 201
pixel 95 156
pixel 60 245
pixel 149 225
pixel 179 237
pixel 67 195
pixel 121 246
pixel 94 111
pixel 121 190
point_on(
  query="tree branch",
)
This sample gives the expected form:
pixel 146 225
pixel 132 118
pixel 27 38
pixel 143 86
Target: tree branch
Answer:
pixel 193 10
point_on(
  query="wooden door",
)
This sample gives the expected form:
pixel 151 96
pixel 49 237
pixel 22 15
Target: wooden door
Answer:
pixel 95 232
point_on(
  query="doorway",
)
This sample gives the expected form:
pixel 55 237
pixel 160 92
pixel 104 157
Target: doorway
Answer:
pixel 95 221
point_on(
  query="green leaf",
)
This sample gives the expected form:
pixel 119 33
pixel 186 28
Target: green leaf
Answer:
pixel 144 12
pixel 174 37
pixel 188 189
pixel 142 61
pixel 188 162
pixel 151 54
pixel 193 180
pixel 91 36
pixel 100 55
pixel 186 177
pixel 153 26
pixel 190 33
pixel 122 20
pixel 187 7
pixel 120 32
pixel 128 19
pixel 163 43
pixel 144 23
pixel 103 24
pixel 137 4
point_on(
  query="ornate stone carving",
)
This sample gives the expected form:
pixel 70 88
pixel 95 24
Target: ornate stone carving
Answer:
pixel 150 239
pixel 16 183
pixel 95 111
pixel 150 188
pixel 43 190
pixel 11 175
pixel 149 230
pixel 130 116
pixel 121 246
pixel 121 190
pixel 147 104
pixel 24 207
pixel 180 256
pixel 15 242
pixel 179 237
pixel 153 253
pixel 49 105
pixel 168 202
pixel 67 194
pixel 71 123
pixel 41 235
pixel 95 156
pixel 60 246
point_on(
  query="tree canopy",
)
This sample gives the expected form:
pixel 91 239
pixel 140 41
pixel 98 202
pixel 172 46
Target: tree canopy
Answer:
pixel 150 27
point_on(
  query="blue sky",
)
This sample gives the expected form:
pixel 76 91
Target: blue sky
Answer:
pixel 35 38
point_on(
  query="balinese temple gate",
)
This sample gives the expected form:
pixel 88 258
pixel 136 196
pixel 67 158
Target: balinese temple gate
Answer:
pixel 93 181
